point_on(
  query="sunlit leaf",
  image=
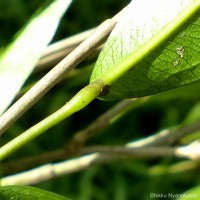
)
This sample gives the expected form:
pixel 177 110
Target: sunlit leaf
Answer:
pixel 153 48
pixel 20 57
pixel 193 193
pixel 27 193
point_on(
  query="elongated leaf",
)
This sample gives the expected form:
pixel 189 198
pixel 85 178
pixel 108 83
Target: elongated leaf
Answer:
pixel 27 193
pixel 19 59
pixel 155 47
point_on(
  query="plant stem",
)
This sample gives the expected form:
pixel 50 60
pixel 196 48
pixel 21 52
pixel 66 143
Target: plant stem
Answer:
pixel 76 143
pixel 53 77
pixel 79 101
pixel 55 52
pixel 102 155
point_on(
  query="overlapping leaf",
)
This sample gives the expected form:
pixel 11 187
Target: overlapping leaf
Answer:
pixel 19 59
pixel 171 64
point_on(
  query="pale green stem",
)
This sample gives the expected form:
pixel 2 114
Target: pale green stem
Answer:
pixel 79 101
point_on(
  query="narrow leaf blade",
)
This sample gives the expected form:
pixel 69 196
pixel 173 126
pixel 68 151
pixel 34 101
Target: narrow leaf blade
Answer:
pixel 20 57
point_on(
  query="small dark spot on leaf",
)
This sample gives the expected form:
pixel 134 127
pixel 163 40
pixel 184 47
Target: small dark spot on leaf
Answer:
pixel 130 70
pixel 105 90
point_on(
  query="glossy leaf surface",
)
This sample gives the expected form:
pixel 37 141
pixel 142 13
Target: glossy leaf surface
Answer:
pixel 154 48
pixel 27 193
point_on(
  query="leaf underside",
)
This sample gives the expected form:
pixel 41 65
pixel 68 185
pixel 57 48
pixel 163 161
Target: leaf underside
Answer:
pixel 175 63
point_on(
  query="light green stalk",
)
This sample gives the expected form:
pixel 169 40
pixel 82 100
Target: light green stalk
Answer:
pixel 78 102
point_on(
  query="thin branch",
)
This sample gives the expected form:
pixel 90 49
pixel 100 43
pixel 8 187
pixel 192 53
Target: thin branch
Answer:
pixel 103 155
pixel 49 171
pixel 165 137
pixel 55 52
pixel 77 141
pixel 191 151
pixel 78 102
pixel 50 79
pixel 100 123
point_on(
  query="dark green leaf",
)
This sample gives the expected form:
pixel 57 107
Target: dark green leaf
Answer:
pixel 27 193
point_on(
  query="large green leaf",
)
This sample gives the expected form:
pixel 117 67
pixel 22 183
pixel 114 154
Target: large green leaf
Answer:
pixel 27 193
pixel 20 57
pixel 154 47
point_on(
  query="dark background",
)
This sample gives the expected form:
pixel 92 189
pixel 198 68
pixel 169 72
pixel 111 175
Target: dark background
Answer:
pixel 127 179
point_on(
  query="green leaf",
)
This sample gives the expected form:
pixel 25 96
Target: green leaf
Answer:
pixel 27 193
pixel 19 58
pixel 193 193
pixel 154 48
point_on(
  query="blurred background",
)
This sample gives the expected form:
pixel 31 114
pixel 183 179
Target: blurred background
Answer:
pixel 120 180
